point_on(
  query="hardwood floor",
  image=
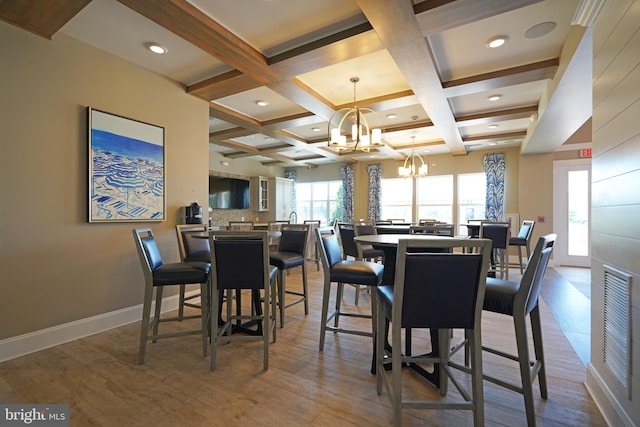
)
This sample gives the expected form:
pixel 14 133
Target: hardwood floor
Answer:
pixel 98 377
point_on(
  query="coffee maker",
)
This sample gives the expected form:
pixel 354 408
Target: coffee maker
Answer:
pixel 193 214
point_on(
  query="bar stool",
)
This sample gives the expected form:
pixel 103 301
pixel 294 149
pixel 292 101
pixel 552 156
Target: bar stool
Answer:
pixel 519 299
pixel 439 291
pixel 191 249
pixel 341 271
pixel 157 275
pixel 291 252
pixel 522 239
pixel 231 252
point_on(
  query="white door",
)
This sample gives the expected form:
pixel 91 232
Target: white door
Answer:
pixel 572 212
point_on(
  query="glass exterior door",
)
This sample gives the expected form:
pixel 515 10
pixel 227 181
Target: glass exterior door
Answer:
pixel 572 212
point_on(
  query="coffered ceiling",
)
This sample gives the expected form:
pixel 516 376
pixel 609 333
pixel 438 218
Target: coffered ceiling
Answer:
pixel 423 67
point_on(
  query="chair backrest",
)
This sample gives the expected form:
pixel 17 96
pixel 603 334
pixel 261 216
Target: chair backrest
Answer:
pixel 330 251
pixel 526 229
pixel 313 224
pixel 347 235
pixel 423 229
pixel 193 248
pixel 241 225
pixel 425 221
pixel 526 298
pixel 365 230
pixel 148 251
pixel 498 232
pixel 440 290
pixel 294 239
pixel 396 220
pixel 232 251
pixel 277 225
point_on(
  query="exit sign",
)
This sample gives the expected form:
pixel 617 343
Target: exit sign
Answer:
pixel 585 152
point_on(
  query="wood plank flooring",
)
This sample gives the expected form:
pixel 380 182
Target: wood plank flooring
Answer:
pixel 98 377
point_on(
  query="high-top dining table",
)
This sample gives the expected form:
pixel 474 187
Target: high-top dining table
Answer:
pixel 389 244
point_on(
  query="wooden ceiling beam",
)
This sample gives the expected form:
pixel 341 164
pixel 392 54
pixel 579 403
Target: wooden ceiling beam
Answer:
pixel 395 23
pixel 543 70
pixel 41 17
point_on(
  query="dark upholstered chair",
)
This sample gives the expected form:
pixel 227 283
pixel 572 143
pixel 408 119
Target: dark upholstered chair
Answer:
pixel 519 299
pixel 191 249
pixel 240 260
pixel 522 239
pixel 440 291
pixel 498 233
pixel 359 252
pixel 157 275
pixel 341 271
pixel 292 252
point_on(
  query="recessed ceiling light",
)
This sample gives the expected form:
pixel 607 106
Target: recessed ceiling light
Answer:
pixel 315 129
pixel 493 143
pixel 497 41
pixel 156 48
pixel 493 98
pixel 391 116
pixel 493 126
pixel 262 103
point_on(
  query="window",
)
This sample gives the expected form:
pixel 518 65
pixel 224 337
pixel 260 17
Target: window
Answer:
pixel 318 200
pixel 434 197
pixel 397 198
pixel 472 192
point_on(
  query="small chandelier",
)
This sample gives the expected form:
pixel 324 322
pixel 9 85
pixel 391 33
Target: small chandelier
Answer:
pixel 362 137
pixel 413 164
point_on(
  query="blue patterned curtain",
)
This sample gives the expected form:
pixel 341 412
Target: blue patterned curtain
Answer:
pixel 375 191
pixel 292 174
pixel 346 173
pixel 494 167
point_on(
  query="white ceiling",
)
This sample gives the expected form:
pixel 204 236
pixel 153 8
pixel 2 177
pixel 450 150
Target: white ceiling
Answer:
pixel 313 78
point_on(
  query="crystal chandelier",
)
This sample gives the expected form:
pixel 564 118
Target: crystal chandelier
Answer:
pixel 362 137
pixel 413 164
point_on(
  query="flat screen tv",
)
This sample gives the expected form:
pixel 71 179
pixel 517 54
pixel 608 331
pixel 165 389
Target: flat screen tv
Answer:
pixel 228 193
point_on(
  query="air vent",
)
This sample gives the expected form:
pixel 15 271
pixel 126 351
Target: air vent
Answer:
pixel 617 328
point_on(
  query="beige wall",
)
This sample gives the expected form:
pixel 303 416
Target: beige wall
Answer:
pixel 615 194
pixel 56 267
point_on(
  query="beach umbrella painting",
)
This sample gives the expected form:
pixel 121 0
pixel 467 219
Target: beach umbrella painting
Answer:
pixel 127 178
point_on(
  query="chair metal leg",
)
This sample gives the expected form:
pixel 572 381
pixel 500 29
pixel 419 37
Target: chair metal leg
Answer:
pixel 476 376
pixel 339 294
pixel 144 328
pixel 396 366
pixel 525 368
pixel 536 332
pixel 326 292
pixel 204 304
pixel 380 337
pixel 216 306
pixel 520 264
pixel 281 296
pixel 266 322
pixel 305 288
pixel 181 302
pixel 156 319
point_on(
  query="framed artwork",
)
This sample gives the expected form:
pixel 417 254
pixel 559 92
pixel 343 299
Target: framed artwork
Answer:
pixel 126 169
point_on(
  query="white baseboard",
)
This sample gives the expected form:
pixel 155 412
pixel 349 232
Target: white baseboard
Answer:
pixel 32 342
pixel 613 413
